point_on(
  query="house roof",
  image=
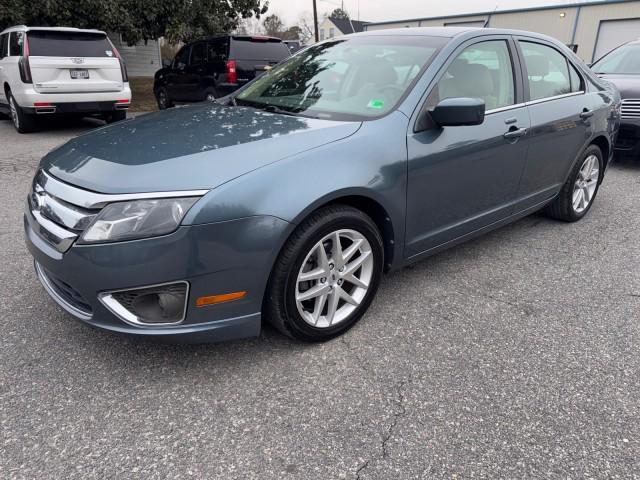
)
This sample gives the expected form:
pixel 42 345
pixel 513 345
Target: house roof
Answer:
pixel 348 26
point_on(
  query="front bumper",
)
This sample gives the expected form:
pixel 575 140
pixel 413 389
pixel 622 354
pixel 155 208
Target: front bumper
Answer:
pixel 213 258
pixel 628 140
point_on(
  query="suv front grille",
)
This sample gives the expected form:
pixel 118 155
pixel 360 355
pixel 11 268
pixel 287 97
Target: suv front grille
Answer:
pixel 631 108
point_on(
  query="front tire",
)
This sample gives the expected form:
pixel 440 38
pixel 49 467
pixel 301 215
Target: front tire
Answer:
pixel 579 192
pixel 22 121
pixel 162 98
pixel 326 275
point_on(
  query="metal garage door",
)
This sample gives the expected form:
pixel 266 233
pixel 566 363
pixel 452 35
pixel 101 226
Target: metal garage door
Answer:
pixel 615 32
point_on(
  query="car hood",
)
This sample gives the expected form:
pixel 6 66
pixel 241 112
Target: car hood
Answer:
pixel 186 148
pixel 628 85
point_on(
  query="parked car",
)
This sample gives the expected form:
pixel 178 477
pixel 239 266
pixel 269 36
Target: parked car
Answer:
pixel 359 155
pixel 622 67
pixel 214 67
pixel 60 71
pixel 294 45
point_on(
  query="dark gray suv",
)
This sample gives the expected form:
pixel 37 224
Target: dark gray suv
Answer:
pixel 288 199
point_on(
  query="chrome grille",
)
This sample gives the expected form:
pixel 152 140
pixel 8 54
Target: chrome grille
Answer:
pixel 631 108
pixel 55 218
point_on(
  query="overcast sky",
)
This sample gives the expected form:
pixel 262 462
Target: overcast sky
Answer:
pixel 383 10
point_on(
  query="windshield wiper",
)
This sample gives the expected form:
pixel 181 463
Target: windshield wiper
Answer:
pixel 274 109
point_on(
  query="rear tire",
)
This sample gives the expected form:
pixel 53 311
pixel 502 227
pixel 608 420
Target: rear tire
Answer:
pixel 317 290
pixel 210 95
pixel 115 116
pixel 579 191
pixel 162 98
pixel 22 121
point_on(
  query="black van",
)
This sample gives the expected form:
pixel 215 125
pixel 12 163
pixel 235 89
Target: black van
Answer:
pixel 216 66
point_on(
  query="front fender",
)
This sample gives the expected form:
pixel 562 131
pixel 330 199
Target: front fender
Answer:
pixel 371 163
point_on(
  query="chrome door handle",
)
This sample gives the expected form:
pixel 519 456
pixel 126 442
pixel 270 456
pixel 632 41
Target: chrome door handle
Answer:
pixel 517 133
pixel 586 114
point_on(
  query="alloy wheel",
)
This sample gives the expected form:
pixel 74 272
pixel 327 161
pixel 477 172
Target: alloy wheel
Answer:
pixel 14 112
pixel 162 99
pixel 210 97
pixel 586 184
pixel 334 278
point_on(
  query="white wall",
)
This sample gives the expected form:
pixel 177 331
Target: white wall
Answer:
pixel 142 60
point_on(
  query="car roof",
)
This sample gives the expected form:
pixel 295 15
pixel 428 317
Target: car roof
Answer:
pixel 227 35
pixel 450 32
pixel 24 28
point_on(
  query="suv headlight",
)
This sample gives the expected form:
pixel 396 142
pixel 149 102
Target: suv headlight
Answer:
pixel 137 219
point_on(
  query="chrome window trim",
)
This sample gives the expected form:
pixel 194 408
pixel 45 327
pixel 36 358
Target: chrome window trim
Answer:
pixel 44 280
pixel 533 102
pixel 92 200
pixel 556 97
pixel 115 307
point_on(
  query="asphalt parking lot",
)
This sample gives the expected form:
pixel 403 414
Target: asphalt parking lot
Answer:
pixel 513 356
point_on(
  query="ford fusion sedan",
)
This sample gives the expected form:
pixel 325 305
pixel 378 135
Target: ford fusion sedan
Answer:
pixel 622 68
pixel 287 200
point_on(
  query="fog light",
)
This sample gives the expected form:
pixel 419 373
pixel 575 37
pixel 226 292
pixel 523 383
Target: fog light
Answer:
pixel 154 305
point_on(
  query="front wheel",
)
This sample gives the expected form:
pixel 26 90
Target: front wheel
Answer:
pixel 580 190
pixel 326 275
pixel 162 97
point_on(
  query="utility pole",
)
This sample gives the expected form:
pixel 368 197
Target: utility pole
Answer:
pixel 315 21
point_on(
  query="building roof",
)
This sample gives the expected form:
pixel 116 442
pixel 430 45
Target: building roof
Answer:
pixel 348 26
pixel 580 4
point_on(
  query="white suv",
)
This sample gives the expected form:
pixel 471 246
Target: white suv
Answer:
pixel 60 70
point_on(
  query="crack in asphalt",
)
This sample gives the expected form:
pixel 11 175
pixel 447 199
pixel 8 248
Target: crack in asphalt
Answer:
pixel 400 411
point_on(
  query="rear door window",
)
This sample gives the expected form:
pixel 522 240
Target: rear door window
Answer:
pixel 547 71
pixel 251 49
pixel 198 53
pixel 43 43
pixel 217 50
pixel 3 45
pixel 16 39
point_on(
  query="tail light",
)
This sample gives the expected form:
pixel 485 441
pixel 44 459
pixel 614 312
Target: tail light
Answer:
pixel 232 74
pixel 123 67
pixel 23 63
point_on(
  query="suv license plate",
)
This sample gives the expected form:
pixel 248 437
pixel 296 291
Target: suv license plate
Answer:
pixel 79 74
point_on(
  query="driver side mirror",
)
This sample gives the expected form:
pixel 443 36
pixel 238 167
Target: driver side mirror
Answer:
pixel 456 112
pixel 452 112
pixel 166 63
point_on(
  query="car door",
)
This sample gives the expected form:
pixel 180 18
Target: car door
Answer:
pixel 462 179
pixel 4 41
pixel 195 73
pixel 217 62
pixel 176 78
pixel 560 113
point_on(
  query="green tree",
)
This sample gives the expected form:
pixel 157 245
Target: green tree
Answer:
pixel 339 14
pixel 273 26
pixel 136 20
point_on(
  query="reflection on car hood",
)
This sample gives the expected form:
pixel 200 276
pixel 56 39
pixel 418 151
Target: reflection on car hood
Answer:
pixel 186 148
pixel 628 85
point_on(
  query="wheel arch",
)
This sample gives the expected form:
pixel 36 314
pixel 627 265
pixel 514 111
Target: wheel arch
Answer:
pixel 602 142
pixel 366 202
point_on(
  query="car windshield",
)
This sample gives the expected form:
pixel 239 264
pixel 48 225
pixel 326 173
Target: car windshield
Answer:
pixel 354 78
pixel 622 60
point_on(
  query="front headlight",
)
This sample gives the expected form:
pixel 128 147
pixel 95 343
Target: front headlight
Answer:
pixel 137 219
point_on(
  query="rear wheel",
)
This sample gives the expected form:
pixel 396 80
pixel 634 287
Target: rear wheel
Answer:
pixel 162 97
pixel 22 121
pixel 115 116
pixel 580 190
pixel 326 275
pixel 210 95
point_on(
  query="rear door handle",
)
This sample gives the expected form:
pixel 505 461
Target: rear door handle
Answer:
pixel 515 133
pixel 586 114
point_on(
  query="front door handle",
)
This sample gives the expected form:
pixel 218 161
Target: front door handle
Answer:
pixel 515 132
pixel 586 114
